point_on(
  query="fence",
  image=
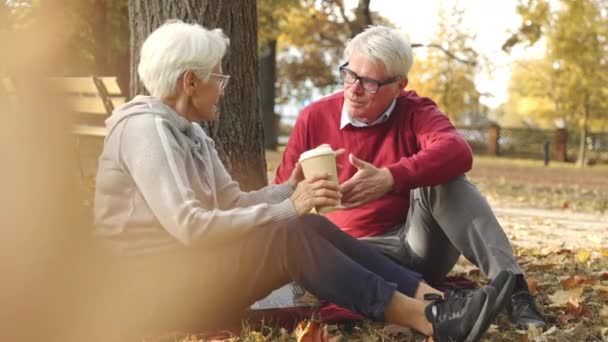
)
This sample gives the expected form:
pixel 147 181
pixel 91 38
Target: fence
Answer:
pixel 530 143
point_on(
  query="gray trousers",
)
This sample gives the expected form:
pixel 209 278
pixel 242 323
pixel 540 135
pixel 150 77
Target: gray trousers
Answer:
pixel 443 222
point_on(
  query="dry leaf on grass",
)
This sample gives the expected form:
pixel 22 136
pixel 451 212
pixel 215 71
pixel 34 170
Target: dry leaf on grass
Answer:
pixel 312 331
pixel 583 256
pixel 533 286
pixel 561 298
pixel 604 333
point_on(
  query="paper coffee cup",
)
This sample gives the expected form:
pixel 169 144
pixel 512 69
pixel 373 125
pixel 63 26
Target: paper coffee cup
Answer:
pixel 320 161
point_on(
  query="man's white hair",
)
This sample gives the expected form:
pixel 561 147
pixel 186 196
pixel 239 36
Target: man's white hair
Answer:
pixel 174 48
pixel 383 44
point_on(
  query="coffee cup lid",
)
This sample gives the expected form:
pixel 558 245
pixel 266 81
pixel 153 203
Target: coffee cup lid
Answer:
pixel 319 151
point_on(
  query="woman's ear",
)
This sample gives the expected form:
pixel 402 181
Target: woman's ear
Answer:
pixel 189 82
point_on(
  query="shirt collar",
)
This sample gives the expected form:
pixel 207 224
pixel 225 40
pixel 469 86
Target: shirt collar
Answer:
pixel 346 118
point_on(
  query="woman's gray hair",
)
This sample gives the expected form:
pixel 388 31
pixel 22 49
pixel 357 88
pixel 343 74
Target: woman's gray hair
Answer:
pixel 174 48
pixel 386 45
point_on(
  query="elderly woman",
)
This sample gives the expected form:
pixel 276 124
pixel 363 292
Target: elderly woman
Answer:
pixel 193 245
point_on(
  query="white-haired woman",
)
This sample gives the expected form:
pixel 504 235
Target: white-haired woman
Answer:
pixel 192 245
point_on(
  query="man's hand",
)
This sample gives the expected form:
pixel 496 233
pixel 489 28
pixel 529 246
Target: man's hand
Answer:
pixel 368 184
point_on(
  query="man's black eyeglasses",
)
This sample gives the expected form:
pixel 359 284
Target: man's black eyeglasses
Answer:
pixel 368 84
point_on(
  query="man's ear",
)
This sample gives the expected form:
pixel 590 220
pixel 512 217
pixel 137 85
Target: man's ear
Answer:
pixel 403 83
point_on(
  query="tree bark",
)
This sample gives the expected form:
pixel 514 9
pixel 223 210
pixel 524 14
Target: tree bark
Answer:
pixel 100 35
pixel 238 131
pixel 582 147
pixel 364 16
pixel 268 78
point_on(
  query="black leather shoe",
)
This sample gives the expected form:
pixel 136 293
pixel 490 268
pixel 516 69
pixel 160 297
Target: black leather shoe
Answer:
pixel 524 312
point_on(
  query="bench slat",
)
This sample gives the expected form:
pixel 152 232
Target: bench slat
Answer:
pixel 111 84
pixel 83 99
pixel 96 131
pixel 86 85
pixel 88 105
pixel 118 101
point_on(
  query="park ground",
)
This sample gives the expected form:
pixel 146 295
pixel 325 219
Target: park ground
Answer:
pixel 557 220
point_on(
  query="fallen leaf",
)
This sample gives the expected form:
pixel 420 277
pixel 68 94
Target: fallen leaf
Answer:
pixel 583 256
pixel 533 286
pixel 564 318
pixel 397 332
pixel 561 298
pixel 534 332
pixel 550 330
pixel 604 312
pixel 492 329
pixel 569 283
pixel 604 333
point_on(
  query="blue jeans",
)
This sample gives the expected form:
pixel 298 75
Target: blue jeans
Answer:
pixel 209 282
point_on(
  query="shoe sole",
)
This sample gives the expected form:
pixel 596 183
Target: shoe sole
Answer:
pixel 496 298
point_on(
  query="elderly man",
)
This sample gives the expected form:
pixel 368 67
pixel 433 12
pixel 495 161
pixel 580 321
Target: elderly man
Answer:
pixel 192 246
pixel 404 189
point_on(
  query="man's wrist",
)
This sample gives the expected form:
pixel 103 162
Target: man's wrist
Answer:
pixel 390 181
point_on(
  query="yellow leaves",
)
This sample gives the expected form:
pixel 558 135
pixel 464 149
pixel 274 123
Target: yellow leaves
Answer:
pixel 604 313
pixel 561 298
pixel 604 334
pixel 312 331
pixel 583 255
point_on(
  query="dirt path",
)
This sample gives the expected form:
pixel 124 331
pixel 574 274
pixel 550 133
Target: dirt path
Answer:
pixel 537 228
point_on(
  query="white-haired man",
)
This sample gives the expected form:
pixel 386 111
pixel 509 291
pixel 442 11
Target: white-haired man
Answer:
pixel 191 246
pixel 404 189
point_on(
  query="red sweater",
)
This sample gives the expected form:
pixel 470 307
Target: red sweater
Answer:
pixel 418 145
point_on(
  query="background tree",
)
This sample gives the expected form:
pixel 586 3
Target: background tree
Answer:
pixel 272 18
pixel 576 36
pixel 533 94
pixel 301 43
pixel 446 71
pixel 97 37
pixel 238 131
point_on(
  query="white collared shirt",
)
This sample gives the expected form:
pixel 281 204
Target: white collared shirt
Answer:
pixel 346 118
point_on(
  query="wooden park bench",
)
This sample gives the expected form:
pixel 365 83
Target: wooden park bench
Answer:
pixel 91 100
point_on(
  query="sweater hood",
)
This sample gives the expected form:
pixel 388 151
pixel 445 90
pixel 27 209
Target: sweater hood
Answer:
pixel 146 105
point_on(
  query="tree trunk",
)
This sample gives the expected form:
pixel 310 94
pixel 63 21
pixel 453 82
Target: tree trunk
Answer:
pixel 238 132
pixel 100 35
pixel 268 76
pixel 363 18
pixel 582 147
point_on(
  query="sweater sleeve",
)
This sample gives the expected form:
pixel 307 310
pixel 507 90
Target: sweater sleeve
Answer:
pixel 443 153
pixel 296 145
pixel 229 191
pixel 153 157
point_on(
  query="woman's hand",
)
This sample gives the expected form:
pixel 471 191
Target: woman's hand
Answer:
pixel 317 191
pixel 297 175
